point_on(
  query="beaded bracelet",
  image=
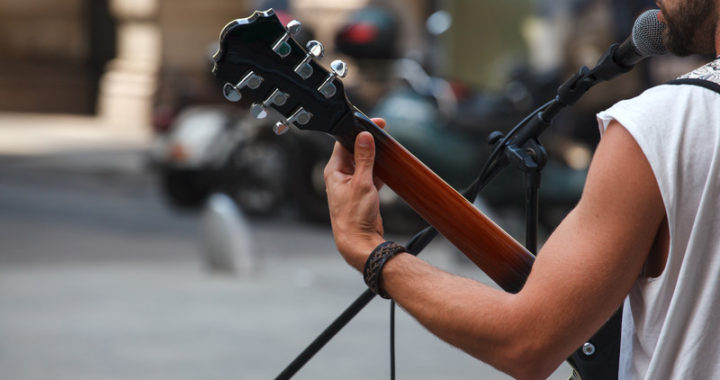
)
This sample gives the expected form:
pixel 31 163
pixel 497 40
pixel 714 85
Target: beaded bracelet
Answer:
pixel 375 262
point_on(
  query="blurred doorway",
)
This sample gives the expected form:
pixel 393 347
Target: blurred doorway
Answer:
pixel 53 53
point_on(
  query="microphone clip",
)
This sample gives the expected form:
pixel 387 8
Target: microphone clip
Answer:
pixel 607 68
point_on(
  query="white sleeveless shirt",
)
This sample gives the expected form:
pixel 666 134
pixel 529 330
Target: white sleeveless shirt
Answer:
pixel 671 324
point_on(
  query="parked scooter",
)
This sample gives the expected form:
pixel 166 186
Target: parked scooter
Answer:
pixel 215 148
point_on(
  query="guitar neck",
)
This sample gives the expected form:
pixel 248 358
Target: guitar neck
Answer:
pixel 500 256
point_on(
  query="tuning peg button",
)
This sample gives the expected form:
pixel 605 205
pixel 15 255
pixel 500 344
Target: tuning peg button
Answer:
pixel 294 27
pixel 280 128
pixel 315 49
pixel 231 93
pixel 258 111
pixel 339 68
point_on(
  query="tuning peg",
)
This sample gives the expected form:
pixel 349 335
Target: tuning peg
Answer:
pixel 276 98
pixel 300 117
pixel 280 128
pixel 250 80
pixel 258 111
pixel 315 50
pixel 294 27
pixel 339 69
pixel 281 47
pixel 231 93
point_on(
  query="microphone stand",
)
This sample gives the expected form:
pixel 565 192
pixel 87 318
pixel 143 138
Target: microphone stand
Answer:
pixel 521 148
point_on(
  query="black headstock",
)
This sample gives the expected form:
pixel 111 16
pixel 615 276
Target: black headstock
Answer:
pixel 260 61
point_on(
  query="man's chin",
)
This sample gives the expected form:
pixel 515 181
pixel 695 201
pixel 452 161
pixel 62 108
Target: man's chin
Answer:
pixel 677 49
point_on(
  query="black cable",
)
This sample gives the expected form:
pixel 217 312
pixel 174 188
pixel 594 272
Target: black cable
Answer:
pixel 392 340
pixel 414 247
pixel 326 335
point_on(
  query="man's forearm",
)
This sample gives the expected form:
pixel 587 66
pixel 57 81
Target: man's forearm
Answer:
pixel 586 267
pixel 476 318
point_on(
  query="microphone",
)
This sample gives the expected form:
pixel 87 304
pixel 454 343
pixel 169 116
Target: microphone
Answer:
pixel 646 40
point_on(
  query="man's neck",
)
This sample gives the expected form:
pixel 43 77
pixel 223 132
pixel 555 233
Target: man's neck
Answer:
pixel 717 30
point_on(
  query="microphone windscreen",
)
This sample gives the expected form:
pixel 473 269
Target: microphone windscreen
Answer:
pixel 647 34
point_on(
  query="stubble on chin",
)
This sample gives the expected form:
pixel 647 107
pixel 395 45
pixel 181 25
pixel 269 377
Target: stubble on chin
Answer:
pixel 691 28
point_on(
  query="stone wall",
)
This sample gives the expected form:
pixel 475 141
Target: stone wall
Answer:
pixel 190 31
pixel 45 56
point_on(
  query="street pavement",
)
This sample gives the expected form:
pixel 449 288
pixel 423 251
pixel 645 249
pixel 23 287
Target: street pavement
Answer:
pixel 100 279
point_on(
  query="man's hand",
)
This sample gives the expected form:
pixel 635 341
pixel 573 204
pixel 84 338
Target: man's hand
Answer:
pixel 352 192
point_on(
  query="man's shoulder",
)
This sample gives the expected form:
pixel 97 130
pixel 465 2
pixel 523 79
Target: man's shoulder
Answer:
pixel 709 72
pixel 707 76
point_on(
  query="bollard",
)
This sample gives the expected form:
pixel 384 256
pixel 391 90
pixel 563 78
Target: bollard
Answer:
pixel 227 242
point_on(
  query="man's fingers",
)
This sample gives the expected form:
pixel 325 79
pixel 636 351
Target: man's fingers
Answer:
pixel 358 164
pixel 364 157
pixel 341 160
pixel 380 122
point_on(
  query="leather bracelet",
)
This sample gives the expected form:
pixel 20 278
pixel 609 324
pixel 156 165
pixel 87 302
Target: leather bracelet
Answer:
pixel 375 262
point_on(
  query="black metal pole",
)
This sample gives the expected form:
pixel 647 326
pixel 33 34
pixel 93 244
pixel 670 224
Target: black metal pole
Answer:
pixel 326 335
pixel 532 210
pixel 414 246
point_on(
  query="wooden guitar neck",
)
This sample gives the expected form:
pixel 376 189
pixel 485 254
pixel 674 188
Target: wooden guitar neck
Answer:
pixel 500 256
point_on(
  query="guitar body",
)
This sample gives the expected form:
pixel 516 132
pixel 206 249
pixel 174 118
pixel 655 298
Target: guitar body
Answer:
pixel 260 61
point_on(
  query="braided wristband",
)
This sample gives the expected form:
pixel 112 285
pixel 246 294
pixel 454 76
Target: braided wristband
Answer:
pixel 375 262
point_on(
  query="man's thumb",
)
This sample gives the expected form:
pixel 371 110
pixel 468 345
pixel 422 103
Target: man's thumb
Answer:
pixel 364 153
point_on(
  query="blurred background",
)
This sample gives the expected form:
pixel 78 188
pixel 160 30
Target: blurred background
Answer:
pixel 149 229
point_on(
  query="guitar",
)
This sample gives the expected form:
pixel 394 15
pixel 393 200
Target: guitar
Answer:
pixel 261 62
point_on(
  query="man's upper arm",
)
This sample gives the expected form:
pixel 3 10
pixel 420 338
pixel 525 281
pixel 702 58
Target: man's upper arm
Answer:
pixel 599 248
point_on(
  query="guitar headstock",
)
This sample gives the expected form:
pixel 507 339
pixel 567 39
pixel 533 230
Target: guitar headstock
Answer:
pixel 260 61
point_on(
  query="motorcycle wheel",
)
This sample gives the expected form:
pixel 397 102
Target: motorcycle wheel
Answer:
pixel 310 188
pixel 183 188
pixel 258 173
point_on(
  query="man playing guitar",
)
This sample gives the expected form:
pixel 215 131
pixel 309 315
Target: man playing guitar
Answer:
pixel 646 231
